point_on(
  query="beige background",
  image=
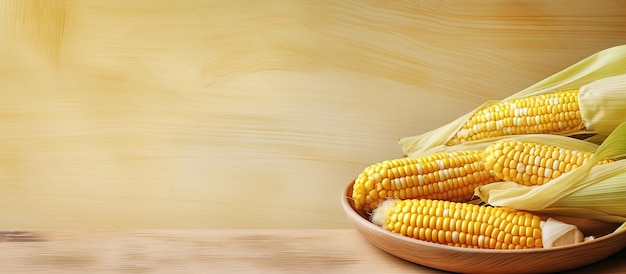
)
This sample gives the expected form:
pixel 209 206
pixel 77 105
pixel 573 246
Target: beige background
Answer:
pixel 249 114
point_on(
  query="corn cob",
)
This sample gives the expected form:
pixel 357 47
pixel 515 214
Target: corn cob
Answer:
pixel 547 113
pixel 590 191
pixel 445 176
pixel 469 225
pixel 585 101
pixel 530 163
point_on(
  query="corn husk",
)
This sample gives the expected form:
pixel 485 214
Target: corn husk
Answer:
pixel 603 105
pixel 557 233
pixel 589 191
pixel 605 197
pixel 547 139
pixel 601 79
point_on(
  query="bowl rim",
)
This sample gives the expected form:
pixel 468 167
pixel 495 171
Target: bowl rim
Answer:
pixel 353 214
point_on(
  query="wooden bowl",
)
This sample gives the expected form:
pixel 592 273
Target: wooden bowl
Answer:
pixel 457 259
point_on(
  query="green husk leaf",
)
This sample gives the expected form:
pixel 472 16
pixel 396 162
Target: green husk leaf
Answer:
pixel 605 196
pixel 606 63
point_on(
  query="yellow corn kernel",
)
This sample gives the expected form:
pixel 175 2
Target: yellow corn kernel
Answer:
pixel 467 229
pixel 444 176
pixel 530 163
pixel 547 113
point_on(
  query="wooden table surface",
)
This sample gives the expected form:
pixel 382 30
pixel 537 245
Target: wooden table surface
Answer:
pixel 213 251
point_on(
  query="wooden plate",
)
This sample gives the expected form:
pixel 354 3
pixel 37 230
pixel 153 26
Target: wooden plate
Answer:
pixel 457 259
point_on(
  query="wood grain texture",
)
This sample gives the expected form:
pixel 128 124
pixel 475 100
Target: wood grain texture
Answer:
pixel 215 251
pixel 196 251
pixel 249 114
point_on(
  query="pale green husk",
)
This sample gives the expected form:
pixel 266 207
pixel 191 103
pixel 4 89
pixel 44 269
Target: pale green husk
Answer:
pixel 590 191
pixel 603 105
pixel 607 63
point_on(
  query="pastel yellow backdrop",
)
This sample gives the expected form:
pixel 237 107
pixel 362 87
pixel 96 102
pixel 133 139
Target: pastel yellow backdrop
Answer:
pixel 249 114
